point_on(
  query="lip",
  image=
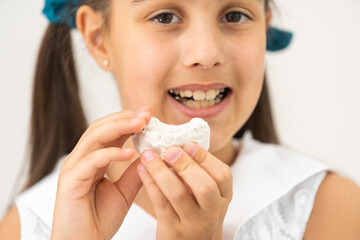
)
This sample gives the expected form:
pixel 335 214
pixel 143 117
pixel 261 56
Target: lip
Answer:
pixel 203 87
pixel 207 112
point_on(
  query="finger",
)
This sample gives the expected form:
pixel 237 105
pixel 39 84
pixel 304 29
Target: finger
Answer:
pixel 218 170
pixel 82 176
pixel 162 182
pixel 142 113
pixel 202 185
pixel 112 117
pixel 129 184
pixel 162 207
pixel 143 117
pixel 101 136
pixel 118 115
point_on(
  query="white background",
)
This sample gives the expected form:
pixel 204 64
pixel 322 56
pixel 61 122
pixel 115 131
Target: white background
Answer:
pixel 314 84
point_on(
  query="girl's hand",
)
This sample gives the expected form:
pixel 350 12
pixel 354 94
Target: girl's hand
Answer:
pixel 89 206
pixel 191 201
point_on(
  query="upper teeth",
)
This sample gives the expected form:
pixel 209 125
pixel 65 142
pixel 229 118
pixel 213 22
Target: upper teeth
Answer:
pixel 198 95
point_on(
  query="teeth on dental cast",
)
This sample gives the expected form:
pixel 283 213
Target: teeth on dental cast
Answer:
pixel 199 98
pixel 159 136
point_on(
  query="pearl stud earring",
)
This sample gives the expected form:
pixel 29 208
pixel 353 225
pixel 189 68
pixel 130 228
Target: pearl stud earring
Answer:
pixel 106 63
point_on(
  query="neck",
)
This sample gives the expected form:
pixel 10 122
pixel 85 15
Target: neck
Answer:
pixel 227 154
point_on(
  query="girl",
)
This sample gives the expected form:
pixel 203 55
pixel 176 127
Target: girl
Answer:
pixel 173 60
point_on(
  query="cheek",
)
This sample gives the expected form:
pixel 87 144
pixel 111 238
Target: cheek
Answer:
pixel 247 60
pixel 141 65
pixel 248 57
pixel 251 75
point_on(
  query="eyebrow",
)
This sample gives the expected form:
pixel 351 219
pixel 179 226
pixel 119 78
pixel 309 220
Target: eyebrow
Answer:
pixel 137 1
pixel 141 1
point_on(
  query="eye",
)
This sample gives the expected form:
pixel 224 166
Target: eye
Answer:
pixel 234 17
pixel 165 18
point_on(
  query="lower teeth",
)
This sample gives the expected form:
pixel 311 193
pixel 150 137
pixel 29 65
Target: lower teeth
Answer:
pixel 201 104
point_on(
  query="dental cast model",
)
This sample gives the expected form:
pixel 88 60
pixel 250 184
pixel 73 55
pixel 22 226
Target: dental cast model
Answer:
pixel 158 136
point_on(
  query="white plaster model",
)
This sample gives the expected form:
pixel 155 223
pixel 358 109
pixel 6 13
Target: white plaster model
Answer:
pixel 158 136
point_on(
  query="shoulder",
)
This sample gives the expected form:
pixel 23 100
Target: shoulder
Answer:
pixel 336 210
pixel 10 225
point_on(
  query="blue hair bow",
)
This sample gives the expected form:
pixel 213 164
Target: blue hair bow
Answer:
pixel 277 39
pixel 62 11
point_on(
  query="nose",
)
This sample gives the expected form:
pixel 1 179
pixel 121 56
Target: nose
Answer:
pixel 202 48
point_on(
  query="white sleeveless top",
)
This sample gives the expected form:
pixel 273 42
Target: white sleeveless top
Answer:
pixel 274 191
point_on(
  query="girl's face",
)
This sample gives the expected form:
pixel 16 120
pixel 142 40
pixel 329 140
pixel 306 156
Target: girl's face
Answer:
pixel 190 58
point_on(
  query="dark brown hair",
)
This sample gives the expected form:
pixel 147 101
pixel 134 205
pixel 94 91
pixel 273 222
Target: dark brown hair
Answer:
pixel 58 119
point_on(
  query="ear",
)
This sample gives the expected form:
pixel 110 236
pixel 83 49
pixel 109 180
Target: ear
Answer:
pixel 90 24
pixel 268 17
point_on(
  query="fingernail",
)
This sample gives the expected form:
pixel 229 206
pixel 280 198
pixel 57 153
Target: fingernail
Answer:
pixel 191 149
pixel 147 155
pixel 127 150
pixel 136 120
pixel 172 154
pixel 142 114
pixel 142 109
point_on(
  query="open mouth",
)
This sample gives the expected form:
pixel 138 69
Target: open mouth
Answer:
pixel 198 98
